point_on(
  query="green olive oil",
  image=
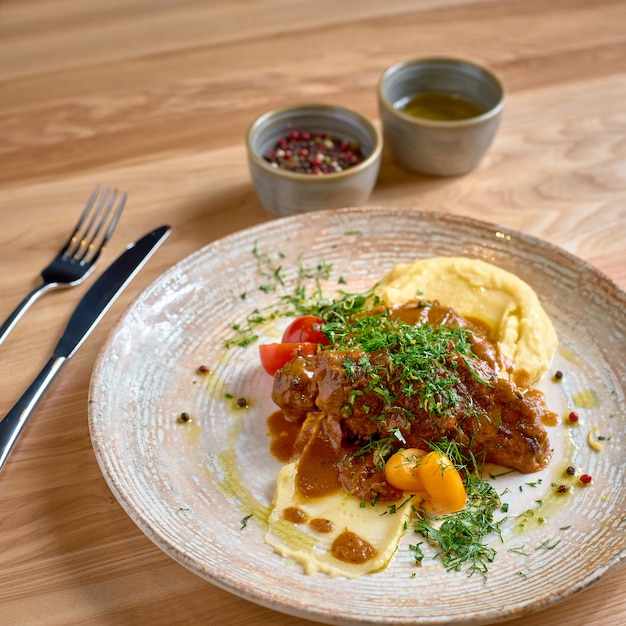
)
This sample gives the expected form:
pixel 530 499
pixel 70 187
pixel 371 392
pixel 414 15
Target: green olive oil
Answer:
pixel 442 107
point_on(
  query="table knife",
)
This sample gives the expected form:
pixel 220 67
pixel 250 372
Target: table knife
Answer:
pixel 84 319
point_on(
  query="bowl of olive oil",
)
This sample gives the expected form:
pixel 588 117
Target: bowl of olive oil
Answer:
pixel 439 115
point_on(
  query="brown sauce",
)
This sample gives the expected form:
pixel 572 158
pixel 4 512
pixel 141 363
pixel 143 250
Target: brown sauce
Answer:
pixel 295 515
pixel 351 548
pixel 413 313
pixel 548 418
pixel 321 525
pixel 283 435
pixel 317 471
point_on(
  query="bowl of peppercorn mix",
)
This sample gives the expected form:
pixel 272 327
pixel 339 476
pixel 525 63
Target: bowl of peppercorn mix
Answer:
pixel 309 157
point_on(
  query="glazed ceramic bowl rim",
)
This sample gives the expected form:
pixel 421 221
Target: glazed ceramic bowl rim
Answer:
pixel 326 110
pixel 471 121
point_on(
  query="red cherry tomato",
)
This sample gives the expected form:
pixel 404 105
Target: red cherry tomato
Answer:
pixel 306 328
pixel 276 355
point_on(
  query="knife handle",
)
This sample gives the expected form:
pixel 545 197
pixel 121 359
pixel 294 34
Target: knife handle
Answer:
pixel 15 420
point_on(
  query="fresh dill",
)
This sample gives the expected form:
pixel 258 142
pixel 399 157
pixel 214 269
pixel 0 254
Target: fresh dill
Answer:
pixel 299 300
pixel 422 356
pixel 548 545
pixel 418 553
pixel 461 537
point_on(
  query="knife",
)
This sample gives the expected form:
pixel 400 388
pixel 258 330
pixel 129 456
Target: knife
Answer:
pixel 88 313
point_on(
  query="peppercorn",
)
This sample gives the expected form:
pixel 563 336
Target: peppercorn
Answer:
pixel 203 369
pixel 558 375
pixel 570 471
pixel 585 479
pixel 573 417
pixel 242 403
pixel 184 417
pixel 304 153
pixel 562 489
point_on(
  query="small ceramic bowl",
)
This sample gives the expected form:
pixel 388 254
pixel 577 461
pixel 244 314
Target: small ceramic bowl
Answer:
pixel 444 146
pixel 283 192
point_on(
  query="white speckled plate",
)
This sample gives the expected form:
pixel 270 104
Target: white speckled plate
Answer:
pixel 189 486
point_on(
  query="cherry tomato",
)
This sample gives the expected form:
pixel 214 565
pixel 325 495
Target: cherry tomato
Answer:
pixel 276 355
pixel 401 470
pixel 306 328
pixel 443 483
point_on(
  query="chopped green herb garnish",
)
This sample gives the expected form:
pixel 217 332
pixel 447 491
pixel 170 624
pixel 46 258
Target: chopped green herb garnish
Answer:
pixel 300 298
pixel 546 545
pixel 461 536
pixel 417 550
pixel 421 356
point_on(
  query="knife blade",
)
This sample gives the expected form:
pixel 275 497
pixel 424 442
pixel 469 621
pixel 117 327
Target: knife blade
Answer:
pixel 89 311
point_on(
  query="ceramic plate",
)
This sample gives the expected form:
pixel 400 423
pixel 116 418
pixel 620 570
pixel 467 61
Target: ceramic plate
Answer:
pixel 202 490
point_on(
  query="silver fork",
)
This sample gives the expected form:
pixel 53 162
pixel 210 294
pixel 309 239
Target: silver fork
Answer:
pixel 78 256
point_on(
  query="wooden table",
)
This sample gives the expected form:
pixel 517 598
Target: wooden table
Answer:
pixel 155 98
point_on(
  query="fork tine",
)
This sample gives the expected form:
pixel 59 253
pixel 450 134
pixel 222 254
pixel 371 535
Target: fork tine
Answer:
pixel 70 243
pixel 88 238
pixel 82 246
pixel 114 220
pixel 94 249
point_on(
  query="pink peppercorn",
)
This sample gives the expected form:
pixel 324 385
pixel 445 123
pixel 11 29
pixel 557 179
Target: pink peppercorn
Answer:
pixel 585 479
pixel 573 417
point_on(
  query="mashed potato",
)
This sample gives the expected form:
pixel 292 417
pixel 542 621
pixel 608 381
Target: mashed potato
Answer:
pixel 380 526
pixel 511 309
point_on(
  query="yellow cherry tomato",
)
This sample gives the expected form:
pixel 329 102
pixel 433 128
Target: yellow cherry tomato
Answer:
pixel 442 482
pixel 401 470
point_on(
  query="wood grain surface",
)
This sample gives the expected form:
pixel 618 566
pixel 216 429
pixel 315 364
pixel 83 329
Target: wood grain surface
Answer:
pixel 154 97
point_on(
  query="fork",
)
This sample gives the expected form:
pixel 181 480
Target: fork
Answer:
pixel 79 255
